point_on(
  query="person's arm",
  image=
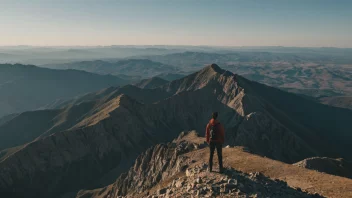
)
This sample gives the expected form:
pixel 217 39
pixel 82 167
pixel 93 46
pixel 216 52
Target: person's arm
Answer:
pixel 207 133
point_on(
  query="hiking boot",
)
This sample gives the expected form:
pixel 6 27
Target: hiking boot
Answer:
pixel 221 170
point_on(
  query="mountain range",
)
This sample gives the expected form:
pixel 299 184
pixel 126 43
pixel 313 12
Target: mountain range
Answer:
pixel 89 141
pixel 197 59
pixel 40 55
pixel 130 67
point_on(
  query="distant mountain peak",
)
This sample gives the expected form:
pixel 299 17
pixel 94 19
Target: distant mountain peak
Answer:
pixel 214 69
pixel 211 74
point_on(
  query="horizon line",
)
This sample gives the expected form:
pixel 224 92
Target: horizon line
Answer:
pixel 171 45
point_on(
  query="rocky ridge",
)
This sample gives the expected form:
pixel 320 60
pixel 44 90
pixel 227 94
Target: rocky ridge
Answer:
pixel 164 171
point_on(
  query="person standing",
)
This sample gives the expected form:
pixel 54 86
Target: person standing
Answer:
pixel 215 136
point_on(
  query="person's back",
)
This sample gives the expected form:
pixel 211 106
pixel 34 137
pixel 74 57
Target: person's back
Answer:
pixel 215 136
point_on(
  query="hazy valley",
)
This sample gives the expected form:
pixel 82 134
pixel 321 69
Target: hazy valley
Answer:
pixel 324 74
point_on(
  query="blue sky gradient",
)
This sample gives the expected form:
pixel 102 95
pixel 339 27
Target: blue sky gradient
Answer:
pixel 313 23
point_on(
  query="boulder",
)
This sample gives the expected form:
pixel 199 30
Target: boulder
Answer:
pixel 162 191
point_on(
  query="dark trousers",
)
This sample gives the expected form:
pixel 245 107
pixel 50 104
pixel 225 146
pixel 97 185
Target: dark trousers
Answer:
pixel 218 147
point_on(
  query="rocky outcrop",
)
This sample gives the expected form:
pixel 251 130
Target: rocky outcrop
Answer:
pixel 230 184
pixel 157 163
pixel 338 167
pixel 154 165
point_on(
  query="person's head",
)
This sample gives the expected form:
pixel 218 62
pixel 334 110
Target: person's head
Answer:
pixel 215 115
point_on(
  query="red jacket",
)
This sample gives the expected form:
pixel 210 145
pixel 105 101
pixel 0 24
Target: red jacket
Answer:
pixel 220 131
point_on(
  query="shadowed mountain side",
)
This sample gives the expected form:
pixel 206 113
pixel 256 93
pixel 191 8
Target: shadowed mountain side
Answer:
pixel 25 127
pixel 7 118
pixel 266 136
pixel 308 119
pixel 27 87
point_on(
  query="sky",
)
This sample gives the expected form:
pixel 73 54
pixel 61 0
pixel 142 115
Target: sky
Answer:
pixel 301 23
